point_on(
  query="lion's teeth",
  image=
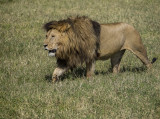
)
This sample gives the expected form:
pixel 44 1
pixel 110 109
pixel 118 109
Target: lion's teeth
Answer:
pixel 51 54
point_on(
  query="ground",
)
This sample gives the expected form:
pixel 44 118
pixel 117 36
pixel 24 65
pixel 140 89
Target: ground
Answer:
pixel 25 68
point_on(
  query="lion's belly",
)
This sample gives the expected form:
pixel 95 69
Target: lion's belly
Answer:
pixel 104 57
pixel 108 49
pixel 111 41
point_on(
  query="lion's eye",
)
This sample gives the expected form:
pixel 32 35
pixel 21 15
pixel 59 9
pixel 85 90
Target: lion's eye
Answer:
pixel 46 36
pixel 53 36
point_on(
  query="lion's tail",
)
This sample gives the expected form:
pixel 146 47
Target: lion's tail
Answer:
pixel 153 60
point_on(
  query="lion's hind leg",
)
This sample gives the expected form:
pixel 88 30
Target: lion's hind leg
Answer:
pixel 135 45
pixel 115 61
pixel 143 58
pixel 141 53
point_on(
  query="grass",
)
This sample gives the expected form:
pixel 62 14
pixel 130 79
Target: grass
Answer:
pixel 25 68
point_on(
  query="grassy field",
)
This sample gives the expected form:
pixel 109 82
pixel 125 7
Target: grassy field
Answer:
pixel 25 68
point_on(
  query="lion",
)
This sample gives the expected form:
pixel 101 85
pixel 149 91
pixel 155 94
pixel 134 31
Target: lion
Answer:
pixel 79 39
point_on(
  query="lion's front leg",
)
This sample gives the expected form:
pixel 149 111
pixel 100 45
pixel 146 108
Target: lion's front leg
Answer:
pixel 59 71
pixel 90 68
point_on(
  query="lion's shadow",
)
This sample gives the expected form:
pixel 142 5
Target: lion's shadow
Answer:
pixel 81 71
pixel 73 74
pixel 133 69
pixel 123 69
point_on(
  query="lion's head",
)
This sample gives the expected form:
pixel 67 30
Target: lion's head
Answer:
pixel 73 40
pixel 54 41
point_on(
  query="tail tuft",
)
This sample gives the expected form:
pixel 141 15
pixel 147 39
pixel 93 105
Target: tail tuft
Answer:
pixel 153 60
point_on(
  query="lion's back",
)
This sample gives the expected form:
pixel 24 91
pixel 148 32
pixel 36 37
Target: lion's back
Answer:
pixel 113 36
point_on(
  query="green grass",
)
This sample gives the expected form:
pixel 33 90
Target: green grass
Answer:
pixel 25 68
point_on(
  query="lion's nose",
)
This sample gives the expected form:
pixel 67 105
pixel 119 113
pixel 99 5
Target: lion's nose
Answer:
pixel 45 47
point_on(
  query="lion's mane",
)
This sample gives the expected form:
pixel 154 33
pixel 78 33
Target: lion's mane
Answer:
pixel 83 43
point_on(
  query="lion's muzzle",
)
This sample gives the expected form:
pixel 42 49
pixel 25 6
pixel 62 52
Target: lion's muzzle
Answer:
pixel 50 52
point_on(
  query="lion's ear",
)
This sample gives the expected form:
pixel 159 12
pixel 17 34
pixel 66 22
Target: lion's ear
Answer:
pixel 62 27
pixel 50 25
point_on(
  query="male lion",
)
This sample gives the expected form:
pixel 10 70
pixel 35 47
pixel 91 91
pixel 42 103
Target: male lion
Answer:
pixel 79 39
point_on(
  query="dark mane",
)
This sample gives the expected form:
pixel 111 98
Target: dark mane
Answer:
pixel 84 33
pixel 48 25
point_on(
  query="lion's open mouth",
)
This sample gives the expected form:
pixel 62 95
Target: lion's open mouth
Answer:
pixel 52 52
